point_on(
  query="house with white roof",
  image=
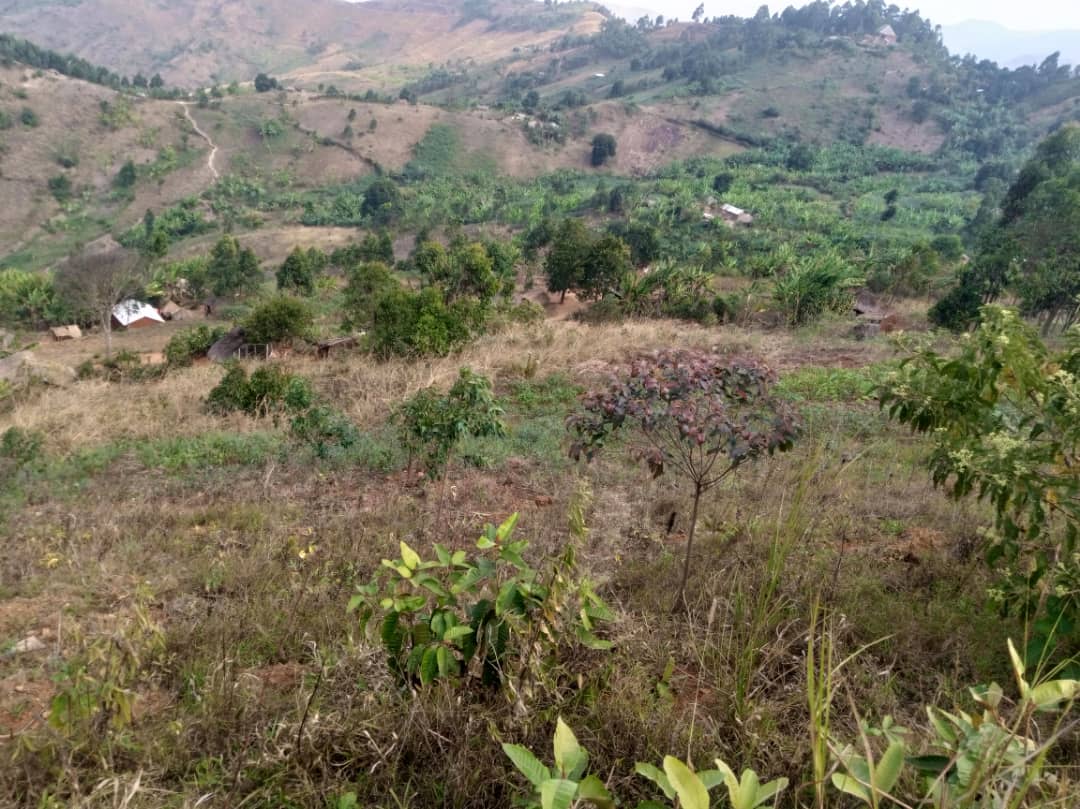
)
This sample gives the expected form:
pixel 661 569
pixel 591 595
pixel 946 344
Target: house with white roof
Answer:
pixel 133 314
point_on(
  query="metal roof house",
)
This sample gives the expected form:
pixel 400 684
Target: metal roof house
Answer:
pixel 132 314
pixel 885 37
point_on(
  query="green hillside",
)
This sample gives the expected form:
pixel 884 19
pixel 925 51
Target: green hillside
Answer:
pixel 483 404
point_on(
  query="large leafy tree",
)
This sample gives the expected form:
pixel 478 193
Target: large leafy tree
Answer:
pixel 565 263
pixel 589 263
pixel 1004 416
pixel 1034 249
pixel 232 268
pixel 297 274
pixel 699 415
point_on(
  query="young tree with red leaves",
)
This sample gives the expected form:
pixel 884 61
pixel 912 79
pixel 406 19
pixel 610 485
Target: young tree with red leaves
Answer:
pixel 699 414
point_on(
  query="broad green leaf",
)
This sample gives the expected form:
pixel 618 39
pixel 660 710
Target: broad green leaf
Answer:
pixel 988 695
pixel 527 764
pixel 429 665
pixel 655 775
pixel 931 765
pixel 410 557
pixel 847 784
pixel 692 793
pixel 1018 670
pixel 859 769
pixel 557 793
pixel 459 631
pixel 401 570
pixel 711 778
pixel 945 731
pixel 433 585
pixel 746 797
pixel 771 789
pixel 1048 696
pixel 484 543
pixel 355 602
pixel 887 771
pixel 391 633
pixel 467 581
pixel 446 662
pixel 652 805
pixel 590 641
pixel 568 752
pixel 507 528
pixel 592 790
pixel 442 554
pixel 728 774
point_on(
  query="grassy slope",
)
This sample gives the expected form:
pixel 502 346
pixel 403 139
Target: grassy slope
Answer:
pixel 38 230
pixel 199 41
pixel 205 516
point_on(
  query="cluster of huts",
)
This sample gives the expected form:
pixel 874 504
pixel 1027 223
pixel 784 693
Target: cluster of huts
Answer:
pixel 133 314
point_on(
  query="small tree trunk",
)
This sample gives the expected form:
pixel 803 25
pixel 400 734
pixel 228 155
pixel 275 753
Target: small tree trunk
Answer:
pixel 106 326
pixel 680 599
pixel 562 297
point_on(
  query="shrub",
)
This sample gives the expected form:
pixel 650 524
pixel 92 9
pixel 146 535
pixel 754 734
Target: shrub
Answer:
pixel 431 424
pixel 603 148
pixel 327 431
pixel 700 415
pixel 297 273
pixel 366 285
pixel 60 187
pixel 280 318
pixel 407 323
pixel 948 246
pixel 268 391
pixel 265 83
pixel 186 346
pixel 487 617
pixel 1002 415
pixel 126 177
pixel 18 449
pixel 28 117
pixel 232 268
pixel 382 201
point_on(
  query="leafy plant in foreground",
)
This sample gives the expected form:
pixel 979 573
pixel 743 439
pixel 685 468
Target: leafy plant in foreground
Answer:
pixel 983 761
pixel 487 617
pixel 1004 414
pixel 566 784
pixel 702 415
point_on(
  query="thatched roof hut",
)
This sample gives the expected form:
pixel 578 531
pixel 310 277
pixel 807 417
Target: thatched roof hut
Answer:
pixel 223 349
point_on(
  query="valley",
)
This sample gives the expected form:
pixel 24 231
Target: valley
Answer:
pixel 487 403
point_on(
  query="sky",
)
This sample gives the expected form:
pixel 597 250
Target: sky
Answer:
pixel 1030 15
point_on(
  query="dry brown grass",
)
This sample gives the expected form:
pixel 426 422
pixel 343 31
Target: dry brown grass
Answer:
pixel 250 625
pixel 93 412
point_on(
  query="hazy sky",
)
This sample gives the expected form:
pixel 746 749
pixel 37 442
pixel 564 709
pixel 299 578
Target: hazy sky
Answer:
pixel 1028 15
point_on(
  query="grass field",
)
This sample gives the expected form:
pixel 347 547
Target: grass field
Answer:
pixel 222 556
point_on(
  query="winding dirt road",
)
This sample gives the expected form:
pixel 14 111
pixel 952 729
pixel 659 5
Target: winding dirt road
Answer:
pixel 199 131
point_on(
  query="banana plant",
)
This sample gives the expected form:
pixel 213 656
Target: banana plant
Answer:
pixel 868 780
pixel 691 790
pixel 979 759
pixel 564 785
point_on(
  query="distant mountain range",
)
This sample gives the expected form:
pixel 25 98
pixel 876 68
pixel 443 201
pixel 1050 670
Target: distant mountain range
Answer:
pixel 1010 48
